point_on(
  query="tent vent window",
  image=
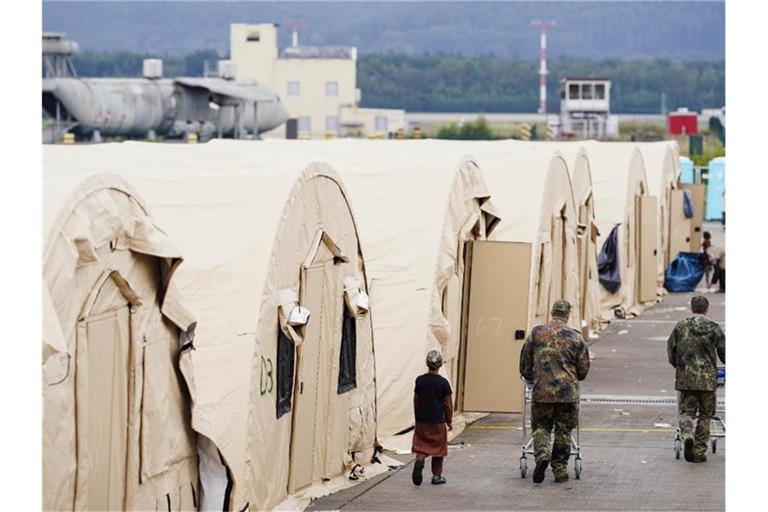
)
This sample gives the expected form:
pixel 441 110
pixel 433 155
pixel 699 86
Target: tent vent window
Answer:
pixel 285 367
pixel 348 354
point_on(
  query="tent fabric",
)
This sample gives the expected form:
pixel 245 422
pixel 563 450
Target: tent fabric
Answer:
pixel 532 191
pixel 416 203
pixel 245 220
pixel 684 274
pixel 577 157
pixel 662 170
pixel 618 177
pixel 608 262
pixel 100 240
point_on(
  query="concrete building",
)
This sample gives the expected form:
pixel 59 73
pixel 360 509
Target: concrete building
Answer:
pixel 317 84
pixel 585 108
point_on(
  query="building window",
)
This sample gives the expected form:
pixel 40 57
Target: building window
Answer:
pixel 381 124
pixel 304 124
pixel 252 36
pixel 332 124
pixel 294 88
pixel 285 366
pixel 573 91
pixel 599 91
pixel 586 91
pixel 331 88
pixel 348 354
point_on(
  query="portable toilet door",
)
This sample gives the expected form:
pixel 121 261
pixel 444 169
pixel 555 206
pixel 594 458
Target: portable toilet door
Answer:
pixel 715 188
pixel 686 170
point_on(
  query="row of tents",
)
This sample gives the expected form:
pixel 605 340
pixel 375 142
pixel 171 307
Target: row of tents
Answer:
pixel 226 324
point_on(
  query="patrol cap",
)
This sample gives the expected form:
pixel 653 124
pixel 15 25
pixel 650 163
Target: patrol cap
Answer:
pixel 434 359
pixel 561 308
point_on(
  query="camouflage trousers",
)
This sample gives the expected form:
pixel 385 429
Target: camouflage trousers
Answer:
pixel 688 404
pixel 563 417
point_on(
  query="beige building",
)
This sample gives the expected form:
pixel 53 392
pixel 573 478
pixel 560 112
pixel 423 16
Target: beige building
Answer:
pixel 317 84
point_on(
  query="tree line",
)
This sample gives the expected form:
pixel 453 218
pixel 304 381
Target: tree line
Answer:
pixel 454 83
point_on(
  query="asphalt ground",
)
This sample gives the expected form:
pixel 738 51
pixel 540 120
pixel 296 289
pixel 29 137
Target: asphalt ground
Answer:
pixel 628 417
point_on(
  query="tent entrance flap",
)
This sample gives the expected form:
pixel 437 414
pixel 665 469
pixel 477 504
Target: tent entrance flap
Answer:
pixel 679 225
pixel 304 418
pixel 647 267
pixel 698 194
pixel 106 344
pixel 496 296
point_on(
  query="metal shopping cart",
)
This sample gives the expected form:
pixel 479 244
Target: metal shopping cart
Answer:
pixel 717 428
pixel 527 448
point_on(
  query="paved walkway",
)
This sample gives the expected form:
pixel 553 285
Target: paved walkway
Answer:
pixel 627 441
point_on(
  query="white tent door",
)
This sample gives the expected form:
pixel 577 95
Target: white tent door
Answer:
pixel 648 251
pixel 679 226
pixel 306 395
pixel 496 325
pixel 108 340
pixel 698 196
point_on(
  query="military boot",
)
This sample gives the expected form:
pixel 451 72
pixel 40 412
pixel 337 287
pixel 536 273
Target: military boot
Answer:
pixel 688 449
pixel 540 470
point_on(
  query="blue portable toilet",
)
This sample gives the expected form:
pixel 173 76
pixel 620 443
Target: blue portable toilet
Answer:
pixel 715 189
pixel 686 170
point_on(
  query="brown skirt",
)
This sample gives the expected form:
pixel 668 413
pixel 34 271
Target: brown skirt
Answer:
pixel 430 439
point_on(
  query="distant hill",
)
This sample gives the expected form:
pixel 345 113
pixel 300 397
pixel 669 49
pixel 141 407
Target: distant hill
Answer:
pixel 592 30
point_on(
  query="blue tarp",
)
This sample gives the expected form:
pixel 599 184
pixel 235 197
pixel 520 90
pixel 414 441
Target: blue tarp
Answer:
pixel 608 262
pixel 684 273
pixel 687 204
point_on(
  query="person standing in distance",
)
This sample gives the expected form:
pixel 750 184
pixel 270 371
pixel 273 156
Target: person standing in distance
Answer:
pixel 693 349
pixel 553 360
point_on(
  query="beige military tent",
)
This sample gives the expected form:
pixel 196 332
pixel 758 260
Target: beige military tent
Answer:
pixel 417 204
pixel 515 279
pixel 277 405
pixel 116 429
pixel 662 169
pixel 587 232
pixel 623 203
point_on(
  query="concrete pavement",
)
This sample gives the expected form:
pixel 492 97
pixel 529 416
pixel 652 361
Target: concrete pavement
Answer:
pixel 628 416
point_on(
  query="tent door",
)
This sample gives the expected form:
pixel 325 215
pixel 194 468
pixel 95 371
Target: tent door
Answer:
pixel 647 268
pixel 679 226
pixel 107 342
pixel 303 433
pixel 698 195
pixel 496 317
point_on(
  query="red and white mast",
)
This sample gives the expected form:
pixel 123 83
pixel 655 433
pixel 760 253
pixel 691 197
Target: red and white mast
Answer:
pixel 543 26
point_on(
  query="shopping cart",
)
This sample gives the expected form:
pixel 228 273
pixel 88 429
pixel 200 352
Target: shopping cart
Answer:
pixel 717 427
pixel 527 448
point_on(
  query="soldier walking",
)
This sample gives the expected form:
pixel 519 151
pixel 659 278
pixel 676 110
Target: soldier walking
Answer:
pixel 553 359
pixel 693 348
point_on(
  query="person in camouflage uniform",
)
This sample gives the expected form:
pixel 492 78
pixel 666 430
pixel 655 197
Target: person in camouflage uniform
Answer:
pixel 553 359
pixel 693 349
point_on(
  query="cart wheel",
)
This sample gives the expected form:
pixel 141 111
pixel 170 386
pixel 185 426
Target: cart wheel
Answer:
pixel 678 448
pixel 523 467
pixel 577 467
pixel 714 445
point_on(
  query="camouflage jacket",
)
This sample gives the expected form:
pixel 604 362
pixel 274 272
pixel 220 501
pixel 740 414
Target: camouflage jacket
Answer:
pixel 693 349
pixel 554 358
